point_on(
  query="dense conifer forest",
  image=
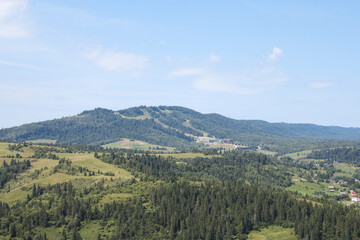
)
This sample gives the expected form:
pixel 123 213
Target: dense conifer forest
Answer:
pixel 349 155
pixel 204 194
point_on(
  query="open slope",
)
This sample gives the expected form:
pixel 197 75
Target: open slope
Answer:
pixel 170 126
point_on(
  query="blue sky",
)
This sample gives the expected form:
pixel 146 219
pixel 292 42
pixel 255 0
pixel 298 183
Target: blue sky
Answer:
pixel 279 61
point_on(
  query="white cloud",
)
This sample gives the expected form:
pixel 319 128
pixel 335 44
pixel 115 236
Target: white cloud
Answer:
pixel 169 59
pixel 248 81
pixel 214 58
pixel 111 60
pixel 252 80
pixel 276 53
pixel 13 19
pixel 162 42
pixel 321 84
pixel 187 72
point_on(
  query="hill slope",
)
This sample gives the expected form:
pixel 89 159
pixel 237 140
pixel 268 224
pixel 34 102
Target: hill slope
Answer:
pixel 170 126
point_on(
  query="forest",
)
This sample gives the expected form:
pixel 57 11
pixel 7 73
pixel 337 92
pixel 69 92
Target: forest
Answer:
pixel 179 127
pixel 179 210
pixel 349 155
pixel 204 194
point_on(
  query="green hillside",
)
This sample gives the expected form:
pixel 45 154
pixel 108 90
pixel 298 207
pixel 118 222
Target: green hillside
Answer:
pixel 174 127
pixel 87 192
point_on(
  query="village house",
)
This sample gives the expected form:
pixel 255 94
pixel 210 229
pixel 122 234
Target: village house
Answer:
pixel 355 198
pixel 342 182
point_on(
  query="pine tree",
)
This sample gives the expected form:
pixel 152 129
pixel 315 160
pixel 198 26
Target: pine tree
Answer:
pixel 12 230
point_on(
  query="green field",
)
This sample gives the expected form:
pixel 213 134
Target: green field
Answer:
pixel 298 155
pixel 89 161
pixel 135 144
pixel 5 152
pixel 346 168
pixel 311 188
pixel 18 190
pixel 223 145
pixel 273 233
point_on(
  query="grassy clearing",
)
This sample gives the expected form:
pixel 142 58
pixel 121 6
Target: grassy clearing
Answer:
pixel 146 115
pixel 266 152
pixel 47 141
pixel 223 145
pixel 89 161
pixel 54 178
pixel 44 179
pixel 273 233
pixel 37 164
pixel 187 155
pixel 18 190
pixel 115 197
pixel 346 168
pixel 26 183
pixel 306 188
pixel 135 144
pixel 51 232
pixel 342 174
pixel 298 155
pixel 90 231
pixel 312 188
pixel 4 151
pixel 14 195
pixel 187 123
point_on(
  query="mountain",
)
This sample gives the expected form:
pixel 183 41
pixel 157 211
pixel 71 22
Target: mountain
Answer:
pixel 171 126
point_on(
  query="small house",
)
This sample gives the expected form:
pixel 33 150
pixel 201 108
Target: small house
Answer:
pixel 355 199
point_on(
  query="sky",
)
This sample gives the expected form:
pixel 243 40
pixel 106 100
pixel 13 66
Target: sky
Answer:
pixel 278 61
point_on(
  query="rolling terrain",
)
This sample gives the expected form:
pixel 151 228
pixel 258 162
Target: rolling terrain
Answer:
pixel 88 192
pixel 179 127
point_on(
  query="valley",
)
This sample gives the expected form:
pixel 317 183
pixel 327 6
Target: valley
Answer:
pixel 103 177
pixel 163 172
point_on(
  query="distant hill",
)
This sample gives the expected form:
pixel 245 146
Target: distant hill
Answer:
pixel 171 126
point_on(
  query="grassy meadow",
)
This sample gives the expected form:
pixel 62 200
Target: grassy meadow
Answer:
pixel 42 172
pixel 273 233
pixel 135 144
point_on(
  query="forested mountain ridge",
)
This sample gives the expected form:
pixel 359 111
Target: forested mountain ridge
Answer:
pixel 170 126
